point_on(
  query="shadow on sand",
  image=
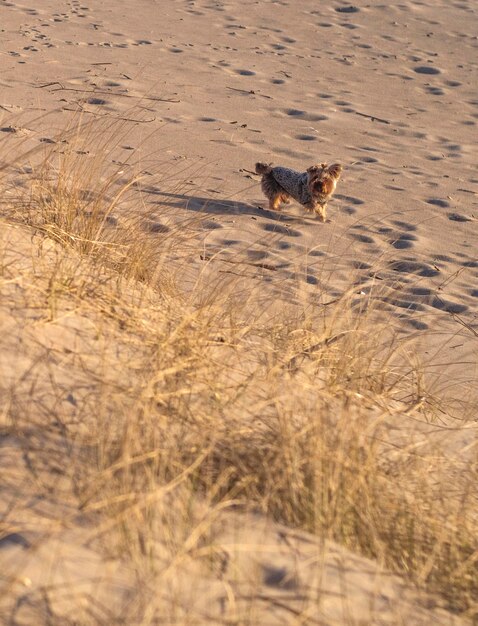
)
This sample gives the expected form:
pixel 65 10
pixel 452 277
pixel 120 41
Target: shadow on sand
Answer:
pixel 221 206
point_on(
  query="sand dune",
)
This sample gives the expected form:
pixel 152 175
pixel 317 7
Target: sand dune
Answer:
pixel 204 89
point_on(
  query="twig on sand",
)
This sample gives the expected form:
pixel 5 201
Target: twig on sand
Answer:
pixel 461 321
pixel 55 82
pixel 96 92
pixel 374 118
pixel 249 92
pixel 116 117
pixel 265 266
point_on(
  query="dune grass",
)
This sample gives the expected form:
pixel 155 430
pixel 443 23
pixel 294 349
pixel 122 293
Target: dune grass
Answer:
pixel 319 418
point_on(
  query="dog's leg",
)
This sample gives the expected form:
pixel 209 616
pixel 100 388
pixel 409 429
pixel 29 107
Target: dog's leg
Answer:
pixel 321 210
pixel 274 203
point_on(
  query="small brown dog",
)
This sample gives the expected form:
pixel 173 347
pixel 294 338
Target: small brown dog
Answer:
pixel 313 188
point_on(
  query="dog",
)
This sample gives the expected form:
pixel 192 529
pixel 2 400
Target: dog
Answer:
pixel 312 188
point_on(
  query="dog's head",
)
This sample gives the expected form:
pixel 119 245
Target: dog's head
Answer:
pixel 322 180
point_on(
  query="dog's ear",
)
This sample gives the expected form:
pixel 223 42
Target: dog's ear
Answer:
pixel 313 169
pixel 335 170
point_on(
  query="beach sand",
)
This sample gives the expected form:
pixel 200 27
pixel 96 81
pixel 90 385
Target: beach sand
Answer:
pixel 205 89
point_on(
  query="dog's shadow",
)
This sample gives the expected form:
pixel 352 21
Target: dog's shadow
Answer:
pixel 273 222
pixel 220 206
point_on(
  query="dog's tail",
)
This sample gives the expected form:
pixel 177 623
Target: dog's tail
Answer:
pixel 263 168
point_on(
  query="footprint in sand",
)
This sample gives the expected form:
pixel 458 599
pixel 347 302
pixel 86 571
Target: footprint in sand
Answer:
pixel 435 91
pixel 257 255
pixel 245 72
pixel 417 324
pixel 302 137
pixel 14 539
pixel 310 279
pixel 60 17
pixel 405 226
pixel 227 243
pixel 409 305
pixel 420 291
pixel 426 69
pixel 470 264
pixel 362 238
pixel 438 202
pixel 157 227
pixel 282 230
pixel 403 241
pixel 351 199
pixel 361 265
pixel 410 266
pixel 304 115
pixel 210 225
pixel 446 305
pixel 97 101
pixel 458 217
pixel 78 9
pixel 348 9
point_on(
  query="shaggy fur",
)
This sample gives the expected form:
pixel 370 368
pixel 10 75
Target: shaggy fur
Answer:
pixel 313 188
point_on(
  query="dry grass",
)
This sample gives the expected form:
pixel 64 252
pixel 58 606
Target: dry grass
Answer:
pixel 148 417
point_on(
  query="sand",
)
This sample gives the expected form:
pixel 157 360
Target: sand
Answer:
pixel 209 87
pixel 387 91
